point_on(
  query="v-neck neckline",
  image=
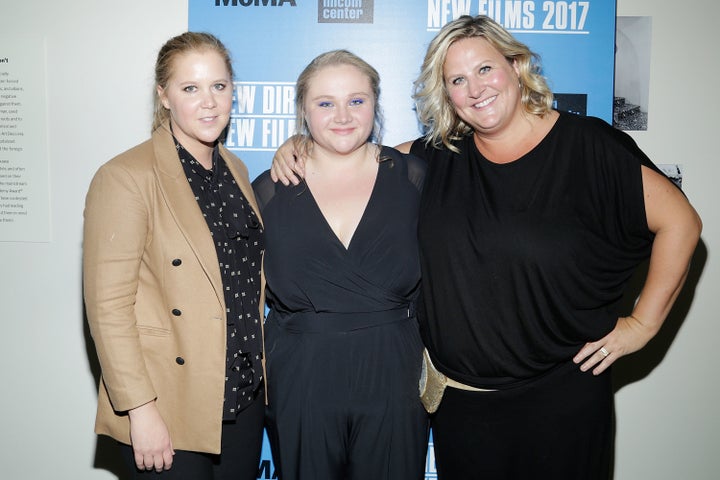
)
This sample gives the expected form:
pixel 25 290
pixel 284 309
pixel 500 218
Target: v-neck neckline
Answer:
pixel 360 223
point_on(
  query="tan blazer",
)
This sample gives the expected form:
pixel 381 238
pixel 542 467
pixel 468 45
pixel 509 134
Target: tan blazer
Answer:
pixel 153 294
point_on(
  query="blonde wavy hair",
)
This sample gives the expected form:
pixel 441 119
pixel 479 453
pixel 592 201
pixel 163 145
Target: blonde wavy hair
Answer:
pixel 434 108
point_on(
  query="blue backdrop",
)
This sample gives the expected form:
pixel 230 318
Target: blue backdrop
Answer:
pixel 271 41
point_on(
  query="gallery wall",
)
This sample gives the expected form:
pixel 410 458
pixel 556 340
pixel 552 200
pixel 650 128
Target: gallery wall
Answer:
pixel 98 89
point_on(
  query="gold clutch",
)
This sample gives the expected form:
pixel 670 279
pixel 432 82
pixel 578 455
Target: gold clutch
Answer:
pixel 432 384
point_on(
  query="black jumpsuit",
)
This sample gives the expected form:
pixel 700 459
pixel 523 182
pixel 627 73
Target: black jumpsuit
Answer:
pixel 342 341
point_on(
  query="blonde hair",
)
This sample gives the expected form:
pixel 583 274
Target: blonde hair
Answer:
pixel 303 141
pixel 176 46
pixel 434 108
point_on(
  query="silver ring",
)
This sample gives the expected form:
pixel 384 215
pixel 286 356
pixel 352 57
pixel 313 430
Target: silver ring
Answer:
pixel 604 352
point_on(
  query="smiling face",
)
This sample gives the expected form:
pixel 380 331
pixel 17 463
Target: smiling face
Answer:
pixel 339 109
pixel 482 85
pixel 198 95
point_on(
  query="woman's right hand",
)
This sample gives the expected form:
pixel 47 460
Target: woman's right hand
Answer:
pixel 287 167
pixel 150 438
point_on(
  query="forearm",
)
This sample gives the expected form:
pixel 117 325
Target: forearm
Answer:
pixel 669 264
pixel 677 228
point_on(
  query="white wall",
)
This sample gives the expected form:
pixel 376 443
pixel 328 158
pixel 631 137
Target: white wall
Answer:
pixel 99 77
pixel 100 57
pixel 668 418
pixel 632 45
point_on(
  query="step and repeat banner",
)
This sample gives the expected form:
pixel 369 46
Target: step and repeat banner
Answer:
pixel 271 41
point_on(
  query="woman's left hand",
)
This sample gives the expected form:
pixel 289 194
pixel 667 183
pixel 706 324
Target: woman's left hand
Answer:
pixel 628 336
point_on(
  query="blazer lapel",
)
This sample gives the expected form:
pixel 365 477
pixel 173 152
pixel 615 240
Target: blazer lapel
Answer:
pixel 181 202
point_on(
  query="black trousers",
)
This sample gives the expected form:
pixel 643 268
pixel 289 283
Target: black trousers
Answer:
pixel 345 405
pixel 556 427
pixel 239 458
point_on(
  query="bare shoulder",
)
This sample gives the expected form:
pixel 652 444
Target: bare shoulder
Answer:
pixel 404 147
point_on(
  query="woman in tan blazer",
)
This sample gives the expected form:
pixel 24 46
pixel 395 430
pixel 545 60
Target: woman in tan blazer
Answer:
pixel 172 256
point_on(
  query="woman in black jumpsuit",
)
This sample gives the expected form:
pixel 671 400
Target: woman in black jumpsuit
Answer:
pixel 343 347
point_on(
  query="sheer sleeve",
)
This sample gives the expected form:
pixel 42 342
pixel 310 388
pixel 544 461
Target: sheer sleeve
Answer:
pixel 416 167
pixel 264 189
pixel 419 148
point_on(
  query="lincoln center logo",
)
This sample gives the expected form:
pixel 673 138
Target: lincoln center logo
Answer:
pixel 345 11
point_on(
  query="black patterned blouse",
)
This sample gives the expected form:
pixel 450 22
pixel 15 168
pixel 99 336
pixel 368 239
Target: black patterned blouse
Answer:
pixel 238 237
